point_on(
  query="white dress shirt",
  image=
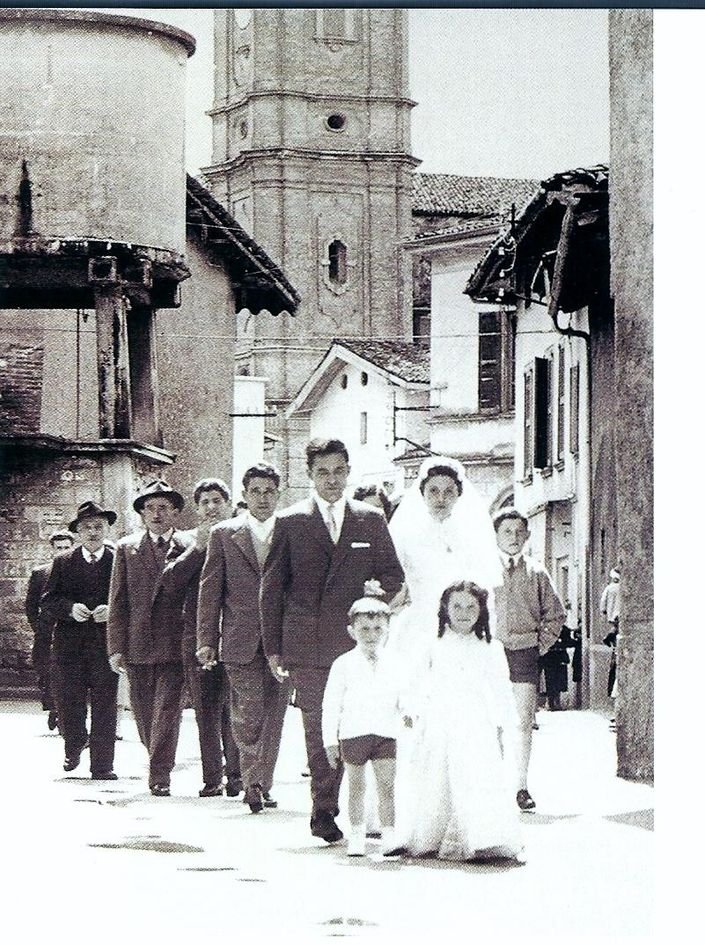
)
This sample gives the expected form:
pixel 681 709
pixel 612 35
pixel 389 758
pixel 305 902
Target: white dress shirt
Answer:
pixel 337 509
pixel 361 697
pixel 166 536
pixel 92 557
pixel 263 530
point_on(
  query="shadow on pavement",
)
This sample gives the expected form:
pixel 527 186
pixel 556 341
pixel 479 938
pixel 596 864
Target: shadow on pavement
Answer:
pixel 634 818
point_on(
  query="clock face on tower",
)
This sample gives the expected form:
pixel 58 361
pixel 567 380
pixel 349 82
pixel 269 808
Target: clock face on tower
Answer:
pixel 242 17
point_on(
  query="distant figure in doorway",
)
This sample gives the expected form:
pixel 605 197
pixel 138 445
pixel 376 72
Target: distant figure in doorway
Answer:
pixel 76 597
pixel 43 626
pixel 376 497
pixel 530 617
pixel 210 691
pixel 609 606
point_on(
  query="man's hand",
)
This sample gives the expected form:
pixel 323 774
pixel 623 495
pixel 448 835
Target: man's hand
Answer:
pixel 333 755
pixel 117 663
pixel 408 721
pixel 276 668
pixel 206 657
pixel 202 533
pixel 100 614
pixel 81 613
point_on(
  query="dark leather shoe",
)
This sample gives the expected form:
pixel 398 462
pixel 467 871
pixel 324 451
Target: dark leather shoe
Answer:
pixel 525 800
pixel 233 787
pixel 52 720
pixel 211 790
pixel 104 776
pixel 160 790
pixel 253 797
pixel 324 826
pixel 268 800
pixel 72 760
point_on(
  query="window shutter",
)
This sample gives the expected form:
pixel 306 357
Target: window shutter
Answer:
pixel 574 408
pixel 542 413
pixel 560 419
pixel 490 361
pixel 528 423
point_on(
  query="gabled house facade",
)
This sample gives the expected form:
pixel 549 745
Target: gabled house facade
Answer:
pixel 374 396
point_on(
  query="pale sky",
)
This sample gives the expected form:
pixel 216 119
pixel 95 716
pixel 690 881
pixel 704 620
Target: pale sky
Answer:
pixel 506 93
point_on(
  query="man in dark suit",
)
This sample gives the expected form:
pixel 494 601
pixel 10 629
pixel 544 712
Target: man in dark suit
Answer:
pixel 228 614
pixel 324 552
pixel 145 627
pixel 76 598
pixel 210 692
pixel 43 627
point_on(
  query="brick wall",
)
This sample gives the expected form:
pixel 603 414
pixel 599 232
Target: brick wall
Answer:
pixel 20 388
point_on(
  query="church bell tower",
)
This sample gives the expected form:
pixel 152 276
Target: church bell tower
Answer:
pixel 311 153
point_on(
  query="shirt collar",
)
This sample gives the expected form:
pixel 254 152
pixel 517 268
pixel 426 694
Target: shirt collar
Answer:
pixel 513 558
pixel 338 508
pixel 97 555
pixel 263 530
pixel 167 536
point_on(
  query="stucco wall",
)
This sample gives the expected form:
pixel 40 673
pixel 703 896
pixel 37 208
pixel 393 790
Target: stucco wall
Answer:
pixel 631 215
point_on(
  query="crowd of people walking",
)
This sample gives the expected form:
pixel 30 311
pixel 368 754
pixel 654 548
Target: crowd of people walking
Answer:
pixel 413 641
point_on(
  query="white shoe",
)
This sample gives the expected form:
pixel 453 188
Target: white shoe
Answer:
pixel 356 842
pixel 389 842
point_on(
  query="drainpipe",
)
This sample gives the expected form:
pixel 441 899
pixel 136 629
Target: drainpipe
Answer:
pixel 567 226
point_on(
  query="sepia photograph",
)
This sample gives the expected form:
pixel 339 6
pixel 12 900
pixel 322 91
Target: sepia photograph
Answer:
pixel 327 470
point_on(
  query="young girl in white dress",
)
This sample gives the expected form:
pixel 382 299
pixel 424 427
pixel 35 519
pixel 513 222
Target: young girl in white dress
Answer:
pixel 456 791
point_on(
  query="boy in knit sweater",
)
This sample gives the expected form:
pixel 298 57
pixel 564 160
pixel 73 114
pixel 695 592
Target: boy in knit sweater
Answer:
pixel 360 718
pixel 529 621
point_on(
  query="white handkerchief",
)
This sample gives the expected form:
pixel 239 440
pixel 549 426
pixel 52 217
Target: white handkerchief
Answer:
pixel 360 544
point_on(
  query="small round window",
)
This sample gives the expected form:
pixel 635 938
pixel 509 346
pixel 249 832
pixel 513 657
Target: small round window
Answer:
pixel 336 122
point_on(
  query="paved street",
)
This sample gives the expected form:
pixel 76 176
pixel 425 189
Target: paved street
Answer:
pixel 116 855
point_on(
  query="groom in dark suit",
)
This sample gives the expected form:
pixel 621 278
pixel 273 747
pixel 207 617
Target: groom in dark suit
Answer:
pixel 324 552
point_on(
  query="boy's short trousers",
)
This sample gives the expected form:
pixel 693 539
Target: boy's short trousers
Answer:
pixel 524 665
pixel 364 748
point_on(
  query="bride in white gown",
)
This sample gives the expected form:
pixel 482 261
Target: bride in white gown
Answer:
pixel 442 531
pixel 456 783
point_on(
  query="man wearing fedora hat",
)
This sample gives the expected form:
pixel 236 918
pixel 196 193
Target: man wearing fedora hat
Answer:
pixel 76 597
pixel 145 627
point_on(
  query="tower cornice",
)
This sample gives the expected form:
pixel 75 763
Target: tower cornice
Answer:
pixel 227 107
pixel 310 154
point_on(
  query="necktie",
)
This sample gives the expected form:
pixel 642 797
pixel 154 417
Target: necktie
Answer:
pixel 92 558
pixel 161 547
pixel 332 527
pixel 510 565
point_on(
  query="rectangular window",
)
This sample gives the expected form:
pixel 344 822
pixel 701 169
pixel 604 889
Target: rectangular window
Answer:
pixel 528 423
pixel 543 412
pixel 574 408
pixel 363 428
pixel 560 406
pixel 495 362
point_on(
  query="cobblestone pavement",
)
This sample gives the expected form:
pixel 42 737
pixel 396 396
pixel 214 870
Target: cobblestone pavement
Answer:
pixel 99 862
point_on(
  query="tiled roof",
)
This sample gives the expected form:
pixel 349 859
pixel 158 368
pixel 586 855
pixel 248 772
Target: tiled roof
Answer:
pixel 455 194
pixel 404 359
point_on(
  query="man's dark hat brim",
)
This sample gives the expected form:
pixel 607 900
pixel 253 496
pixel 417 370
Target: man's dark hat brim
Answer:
pixel 161 490
pixel 92 510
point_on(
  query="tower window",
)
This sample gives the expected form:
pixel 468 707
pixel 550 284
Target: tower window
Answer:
pixel 337 262
pixel 344 381
pixel 336 122
pixel 364 378
pixel 363 429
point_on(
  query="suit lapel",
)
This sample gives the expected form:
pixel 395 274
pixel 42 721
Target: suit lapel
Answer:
pixel 318 528
pixel 146 555
pixel 243 539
